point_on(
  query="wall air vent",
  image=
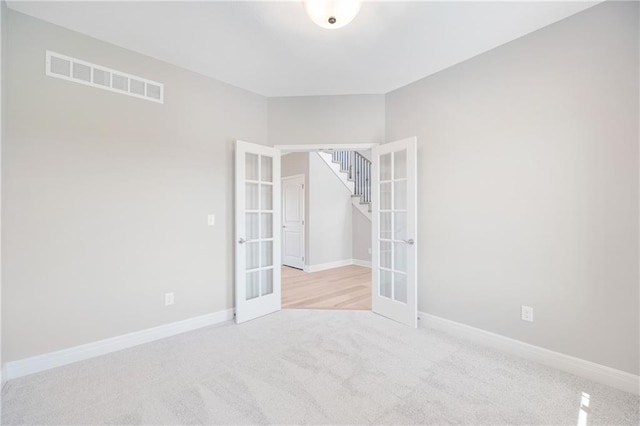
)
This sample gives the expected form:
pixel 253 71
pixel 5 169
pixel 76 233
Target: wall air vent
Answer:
pixel 71 69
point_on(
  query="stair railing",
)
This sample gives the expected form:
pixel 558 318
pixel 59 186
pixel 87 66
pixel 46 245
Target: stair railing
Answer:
pixel 358 168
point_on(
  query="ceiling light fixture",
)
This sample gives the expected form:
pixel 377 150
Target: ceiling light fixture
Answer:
pixel 332 14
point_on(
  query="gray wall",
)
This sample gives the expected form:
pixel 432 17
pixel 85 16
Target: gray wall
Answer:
pixel 105 197
pixel 326 119
pixel 360 235
pixel 329 215
pixel 528 186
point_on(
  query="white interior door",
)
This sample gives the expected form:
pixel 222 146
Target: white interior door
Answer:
pixel 258 262
pixel 394 200
pixel 293 221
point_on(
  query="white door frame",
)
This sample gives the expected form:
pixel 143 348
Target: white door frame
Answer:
pixel 328 147
pixel 304 213
pixel 285 149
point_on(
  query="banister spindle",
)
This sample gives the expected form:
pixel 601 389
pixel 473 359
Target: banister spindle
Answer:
pixel 364 176
pixel 361 189
pixel 368 182
pixel 356 188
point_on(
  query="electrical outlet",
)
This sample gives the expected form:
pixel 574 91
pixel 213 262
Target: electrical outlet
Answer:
pixel 168 299
pixel 527 313
pixel 211 220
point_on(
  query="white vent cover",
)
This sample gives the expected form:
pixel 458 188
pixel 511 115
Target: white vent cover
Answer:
pixel 67 68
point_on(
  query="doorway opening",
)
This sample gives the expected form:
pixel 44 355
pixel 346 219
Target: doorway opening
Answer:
pixel 258 223
pixel 326 228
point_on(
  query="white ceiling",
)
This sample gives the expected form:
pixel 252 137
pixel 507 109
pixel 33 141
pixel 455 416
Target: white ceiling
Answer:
pixel 273 48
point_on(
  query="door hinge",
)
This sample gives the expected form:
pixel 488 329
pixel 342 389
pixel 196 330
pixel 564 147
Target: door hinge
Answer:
pixel 303 186
pixel 303 222
pixel 303 258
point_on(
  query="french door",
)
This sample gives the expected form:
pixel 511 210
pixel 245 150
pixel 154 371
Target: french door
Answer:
pixel 257 242
pixel 394 257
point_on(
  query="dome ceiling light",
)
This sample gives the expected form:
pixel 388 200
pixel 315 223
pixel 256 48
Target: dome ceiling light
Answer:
pixel 332 14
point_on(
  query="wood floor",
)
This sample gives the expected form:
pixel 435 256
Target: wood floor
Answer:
pixel 348 287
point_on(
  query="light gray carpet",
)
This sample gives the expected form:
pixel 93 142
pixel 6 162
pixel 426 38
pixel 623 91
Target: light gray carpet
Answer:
pixel 299 367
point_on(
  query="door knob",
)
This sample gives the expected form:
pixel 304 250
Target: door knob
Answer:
pixel 242 241
pixel 409 241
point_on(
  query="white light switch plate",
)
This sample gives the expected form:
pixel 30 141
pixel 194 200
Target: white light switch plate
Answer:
pixel 527 313
pixel 211 220
pixel 168 299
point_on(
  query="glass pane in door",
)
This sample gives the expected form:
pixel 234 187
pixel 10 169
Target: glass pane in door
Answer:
pixel 399 226
pixel 253 285
pixel 400 164
pixel 252 200
pixel 386 285
pixel 385 196
pixel 253 253
pixel 251 167
pixel 385 167
pixel 385 225
pixel 252 225
pixel 400 195
pixel 267 225
pixel 266 197
pixel 385 254
pixel 400 257
pixel 400 287
pixel 266 254
pixel 267 282
pixel 266 166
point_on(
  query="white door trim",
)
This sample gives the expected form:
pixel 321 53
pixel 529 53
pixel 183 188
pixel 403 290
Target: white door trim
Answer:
pixel 286 149
pixel 294 176
pixel 319 147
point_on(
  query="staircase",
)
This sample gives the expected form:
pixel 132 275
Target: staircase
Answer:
pixel 354 170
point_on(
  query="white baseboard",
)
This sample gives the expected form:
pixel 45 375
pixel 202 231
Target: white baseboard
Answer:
pixel 365 263
pixel 50 360
pixel 330 265
pixel 338 264
pixel 590 370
